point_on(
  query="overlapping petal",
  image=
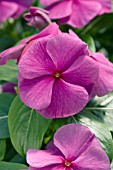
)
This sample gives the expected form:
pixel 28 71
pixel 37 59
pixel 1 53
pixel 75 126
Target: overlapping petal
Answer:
pixel 83 72
pixel 64 50
pixel 73 140
pixel 67 99
pixel 40 159
pixel 104 84
pixel 47 3
pixel 36 93
pixel 36 62
pixel 56 10
pixel 92 158
pixel 83 12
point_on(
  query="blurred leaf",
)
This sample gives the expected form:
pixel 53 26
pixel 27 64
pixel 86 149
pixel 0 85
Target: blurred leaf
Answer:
pixel 2 148
pixel 5 102
pixel 11 166
pixel 89 40
pixel 27 128
pixel 112 165
pixel 9 71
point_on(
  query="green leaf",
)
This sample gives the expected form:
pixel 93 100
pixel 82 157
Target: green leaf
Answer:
pixel 11 166
pixel 5 102
pixel 112 165
pixel 99 128
pixel 2 148
pixel 89 40
pixel 27 128
pixel 9 71
pixel 104 108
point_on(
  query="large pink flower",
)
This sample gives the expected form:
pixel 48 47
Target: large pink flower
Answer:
pixel 13 8
pixel 56 76
pixel 76 13
pixel 74 147
pixel 17 51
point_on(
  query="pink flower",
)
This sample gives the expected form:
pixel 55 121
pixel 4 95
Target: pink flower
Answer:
pixel 38 18
pixel 104 83
pixel 17 51
pixel 56 76
pixel 76 13
pixel 13 8
pixel 74 147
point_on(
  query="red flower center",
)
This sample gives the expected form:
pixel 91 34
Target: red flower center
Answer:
pixel 67 163
pixel 57 75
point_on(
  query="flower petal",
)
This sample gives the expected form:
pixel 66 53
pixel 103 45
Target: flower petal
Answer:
pixel 11 53
pixel 41 159
pixel 83 72
pixel 67 99
pixel 104 84
pixel 73 139
pixel 83 12
pixel 47 3
pixel 35 61
pixel 56 10
pixel 64 50
pixel 106 6
pixel 7 9
pixel 36 93
pixel 92 158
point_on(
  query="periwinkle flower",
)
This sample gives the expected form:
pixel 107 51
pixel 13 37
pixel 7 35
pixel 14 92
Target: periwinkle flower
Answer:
pixel 16 52
pixel 74 147
pixel 37 17
pixel 76 13
pixel 56 76
pixel 13 8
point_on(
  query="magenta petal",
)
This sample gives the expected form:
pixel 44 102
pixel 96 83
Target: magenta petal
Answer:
pixel 40 159
pixel 56 10
pixel 7 9
pixel 11 53
pixel 36 62
pixel 31 168
pixel 47 3
pixel 106 6
pixel 50 167
pixel 67 99
pixel 83 72
pixel 93 158
pixel 36 93
pixel 83 12
pixel 104 84
pixel 64 50
pixel 72 140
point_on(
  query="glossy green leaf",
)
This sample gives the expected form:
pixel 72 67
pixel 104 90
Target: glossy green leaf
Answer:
pixel 5 102
pixel 27 128
pixel 9 71
pixel 2 148
pixel 12 166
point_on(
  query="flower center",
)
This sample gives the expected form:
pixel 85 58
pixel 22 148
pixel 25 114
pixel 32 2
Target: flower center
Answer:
pixel 57 75
pixel 67 163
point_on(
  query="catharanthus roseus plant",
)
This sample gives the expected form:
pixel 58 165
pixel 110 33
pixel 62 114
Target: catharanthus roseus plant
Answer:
pixel 74 147
pixel 56 82
pixel 76 13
